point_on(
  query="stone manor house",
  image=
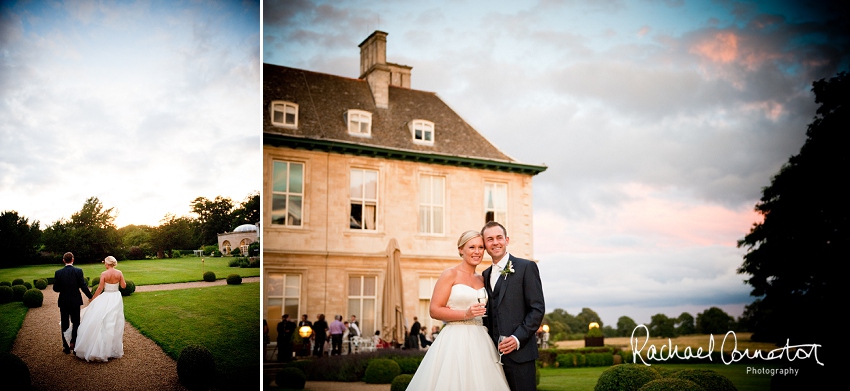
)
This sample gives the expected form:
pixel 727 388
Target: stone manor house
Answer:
pixel 353 165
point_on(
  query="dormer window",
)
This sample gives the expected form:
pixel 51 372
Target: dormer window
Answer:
pixel 359 122
pixel 423 131
pixel 284 114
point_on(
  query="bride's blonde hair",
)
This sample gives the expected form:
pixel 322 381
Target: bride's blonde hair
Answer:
pixel 110 260
pixel 467 236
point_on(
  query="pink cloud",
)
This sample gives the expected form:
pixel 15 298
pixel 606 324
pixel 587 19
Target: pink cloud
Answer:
pixel 644 31
pixel 722 47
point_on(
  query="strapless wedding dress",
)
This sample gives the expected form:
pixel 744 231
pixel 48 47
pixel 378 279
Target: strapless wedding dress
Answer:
pixel 463 356
pixel 101 333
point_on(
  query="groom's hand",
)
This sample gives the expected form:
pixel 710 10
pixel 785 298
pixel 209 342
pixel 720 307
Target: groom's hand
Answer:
pixel 508 345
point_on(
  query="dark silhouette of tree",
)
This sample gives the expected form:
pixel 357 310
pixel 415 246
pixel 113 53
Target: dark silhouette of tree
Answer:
pixel 714 321
pixel 248 212
pixel 90 234
pixel 805 229
pixel 214 217
pixel 586 316
pixel 625 326
pixel 174 233
pixel 19 239
pixel 685 324
pixel 662 326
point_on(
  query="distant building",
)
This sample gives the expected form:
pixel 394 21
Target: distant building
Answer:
pixel 349 165
pixel 241 237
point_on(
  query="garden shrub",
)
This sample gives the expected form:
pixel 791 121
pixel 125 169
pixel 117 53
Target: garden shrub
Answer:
pixel 209 276
pixel 95 281
pixel 235 262
pixel 18 292
pixel 291 377
pixel 196 367
pixel 599 359
pixel 131 287
pixel 234 279
pixel 408 365
pixel 400 382
pixel 16 374
pixel 6 283
pixel 581 360
pixel 626 377
pixel 18 281
pixel 28 285
pixel 40 284
pixel 175 253
pixel 707 379
pixel 33 298
pixel 136 252
pixel 236 252
pixel 6 294
pixel 566 360
pixel 381 371
pixel 671 384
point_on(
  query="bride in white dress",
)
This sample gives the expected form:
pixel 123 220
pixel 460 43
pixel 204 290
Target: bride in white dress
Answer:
pixel 463 357
pixel 101 332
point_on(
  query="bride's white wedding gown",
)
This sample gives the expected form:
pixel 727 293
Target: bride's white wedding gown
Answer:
pixel 463 357
pixel 101 332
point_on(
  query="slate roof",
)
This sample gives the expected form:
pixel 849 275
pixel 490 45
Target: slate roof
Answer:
pixel 324 99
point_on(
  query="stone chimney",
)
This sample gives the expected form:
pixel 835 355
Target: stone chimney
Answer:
pixel 380 74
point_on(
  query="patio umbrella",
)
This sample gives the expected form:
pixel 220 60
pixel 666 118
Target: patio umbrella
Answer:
pixel 393 303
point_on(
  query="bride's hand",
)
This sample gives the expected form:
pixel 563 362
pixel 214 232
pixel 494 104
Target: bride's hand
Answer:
pixel 477 309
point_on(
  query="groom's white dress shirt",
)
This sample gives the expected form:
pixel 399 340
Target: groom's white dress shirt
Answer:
pixel 494 277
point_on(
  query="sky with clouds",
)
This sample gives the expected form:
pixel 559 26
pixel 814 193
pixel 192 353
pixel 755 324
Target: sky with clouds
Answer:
pixel 660 121
pixel 144 105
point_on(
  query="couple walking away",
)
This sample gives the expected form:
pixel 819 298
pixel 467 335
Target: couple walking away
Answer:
pixel 465 356
pixel 97 332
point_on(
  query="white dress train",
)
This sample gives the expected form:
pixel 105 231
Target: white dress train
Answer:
pixel 101 332
pixel 463 356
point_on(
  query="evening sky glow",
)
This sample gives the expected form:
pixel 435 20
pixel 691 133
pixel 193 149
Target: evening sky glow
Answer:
pixel 660 122
pixel 145 105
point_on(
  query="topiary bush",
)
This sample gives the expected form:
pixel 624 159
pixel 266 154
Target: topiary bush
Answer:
pixel 28 285
pixel 625 377
pixel 18 281
pixel 234 279
pixel 707 379
pixel 33 298
pixel 291 377
pixel 18 292
pixel 16 374
pixel 6 294
pixel 381 371
pixel 566 360
pixel 671 384
pixel 6 283
pixel 40 284
pixel 209 276
pixel 95 281
pixel 196 367
pixel 400 382
pixel 408 365
pixel 127 291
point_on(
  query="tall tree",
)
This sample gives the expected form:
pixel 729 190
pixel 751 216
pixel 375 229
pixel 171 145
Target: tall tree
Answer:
pixel 586 316
pixel 685 324
pixel 248 212
pixel 714 321
pixel 662 326
pixel 19 239
pixel 214 217
pixel 90 233
pixel 804 234
pixel 625 326
pixel 174 233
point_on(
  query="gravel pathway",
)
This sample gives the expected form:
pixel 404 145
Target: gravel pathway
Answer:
pixel 144 365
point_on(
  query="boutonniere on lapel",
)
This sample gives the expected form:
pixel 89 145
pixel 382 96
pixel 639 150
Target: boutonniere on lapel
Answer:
pixel 509 269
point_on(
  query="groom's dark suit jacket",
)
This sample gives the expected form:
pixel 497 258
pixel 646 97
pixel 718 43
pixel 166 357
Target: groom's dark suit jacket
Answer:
pixel 517 309
pixel 68 281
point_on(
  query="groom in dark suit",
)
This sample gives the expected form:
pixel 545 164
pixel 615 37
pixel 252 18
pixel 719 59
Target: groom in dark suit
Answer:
pixel 515 308
pixel 69 281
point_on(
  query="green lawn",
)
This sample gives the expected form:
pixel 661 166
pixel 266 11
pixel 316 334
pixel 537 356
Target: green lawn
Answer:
pixel 584 379
pixel 142 272
pixel 225 319
pixel 11 318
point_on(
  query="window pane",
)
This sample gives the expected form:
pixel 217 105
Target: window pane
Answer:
pixel 279 176
pixel 278 209
pixel 290 119
pixel 437 190
pixel 354 309
pixel 278 115
pixel 274 313
pixel 369 315
pixel 369 217
pixel 354 286
pixel 275 283
pixel 501 197
pixel 356 183
pixel 424 219
pixel 293 285
pixel 428 136
pixel 364 127
pixel 369 286
pixel 294 216
pixel 425 288
pixel 418 134
pixel 296 177
pixel 501 217
pixel 488 217
pixel 424 189
pixel 291 307
pixel 371 184
pixel 438 220
pixel 355 220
